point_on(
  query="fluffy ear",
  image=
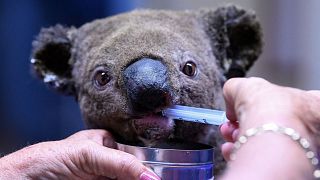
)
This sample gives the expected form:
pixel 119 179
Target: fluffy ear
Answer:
pixel 51 58
pixel 236 38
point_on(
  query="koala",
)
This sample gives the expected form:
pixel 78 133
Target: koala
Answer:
pixel 125 69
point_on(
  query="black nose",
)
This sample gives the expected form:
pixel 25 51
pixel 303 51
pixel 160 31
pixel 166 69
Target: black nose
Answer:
pixel 146 82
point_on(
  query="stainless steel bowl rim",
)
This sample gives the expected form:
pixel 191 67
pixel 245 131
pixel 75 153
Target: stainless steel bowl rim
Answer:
pixel 169 156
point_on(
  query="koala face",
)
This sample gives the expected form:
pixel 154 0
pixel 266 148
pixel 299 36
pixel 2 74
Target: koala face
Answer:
pixel 146 64
pixel 124 70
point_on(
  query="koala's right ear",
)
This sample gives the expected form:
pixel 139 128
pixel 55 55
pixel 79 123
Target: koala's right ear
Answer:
pixel 236 38
pixel 51 58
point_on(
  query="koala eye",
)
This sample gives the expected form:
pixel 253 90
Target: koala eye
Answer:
pixel 101 78
pixel 189 68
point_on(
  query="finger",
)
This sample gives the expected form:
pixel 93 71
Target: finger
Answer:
pixel 100 136
pixel 102 178
pixel 314 113
pixel 235 135
pixel 227 130
pixel 226 149
pixel 315 93
pixel 241 95
pixel 90 134
pixel 230 91
pixel 115 164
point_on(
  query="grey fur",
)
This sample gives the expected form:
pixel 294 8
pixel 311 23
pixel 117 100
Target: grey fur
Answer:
pixel 209 38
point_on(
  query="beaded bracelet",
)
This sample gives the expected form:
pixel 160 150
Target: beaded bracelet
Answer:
pixel 272 127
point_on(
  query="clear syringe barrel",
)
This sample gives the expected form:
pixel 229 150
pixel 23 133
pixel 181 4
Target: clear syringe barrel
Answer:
pixel 200 115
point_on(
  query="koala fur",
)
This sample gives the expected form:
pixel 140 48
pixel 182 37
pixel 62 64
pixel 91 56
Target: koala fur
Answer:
pixel 123 70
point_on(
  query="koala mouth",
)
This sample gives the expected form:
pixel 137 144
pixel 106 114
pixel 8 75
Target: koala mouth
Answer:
pixel 153 127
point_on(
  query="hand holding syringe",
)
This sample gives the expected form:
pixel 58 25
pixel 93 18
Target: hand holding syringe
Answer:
pixel 200 115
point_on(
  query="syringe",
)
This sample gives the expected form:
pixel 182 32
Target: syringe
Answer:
pixel 200 115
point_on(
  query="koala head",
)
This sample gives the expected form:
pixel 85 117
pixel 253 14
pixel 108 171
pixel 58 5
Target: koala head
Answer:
pixel 123 70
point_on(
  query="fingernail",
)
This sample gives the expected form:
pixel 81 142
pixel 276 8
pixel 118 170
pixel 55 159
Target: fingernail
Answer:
pixel 235 134
pixel 109 143
pixel 149 175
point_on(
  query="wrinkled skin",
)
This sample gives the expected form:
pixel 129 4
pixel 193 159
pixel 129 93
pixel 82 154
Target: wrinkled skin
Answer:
pixel 143 56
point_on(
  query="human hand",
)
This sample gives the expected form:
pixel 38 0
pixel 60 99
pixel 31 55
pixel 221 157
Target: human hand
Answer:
pixel 252 102
pixel 87 154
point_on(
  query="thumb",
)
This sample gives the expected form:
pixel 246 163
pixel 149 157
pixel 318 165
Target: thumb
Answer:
pixel 115 164
pixel 241 93
pixel 230 92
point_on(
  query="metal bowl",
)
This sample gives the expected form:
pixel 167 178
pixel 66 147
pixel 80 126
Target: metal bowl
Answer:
pixel 175 161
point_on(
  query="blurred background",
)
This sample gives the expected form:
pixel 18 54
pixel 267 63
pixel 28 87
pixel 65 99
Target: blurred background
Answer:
pixel 30 113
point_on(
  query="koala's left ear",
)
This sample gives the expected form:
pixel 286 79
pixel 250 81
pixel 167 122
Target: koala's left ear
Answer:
pixel 51 58
pixel 235 36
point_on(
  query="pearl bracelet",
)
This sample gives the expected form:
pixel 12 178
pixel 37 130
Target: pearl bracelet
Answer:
pixel 272 127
